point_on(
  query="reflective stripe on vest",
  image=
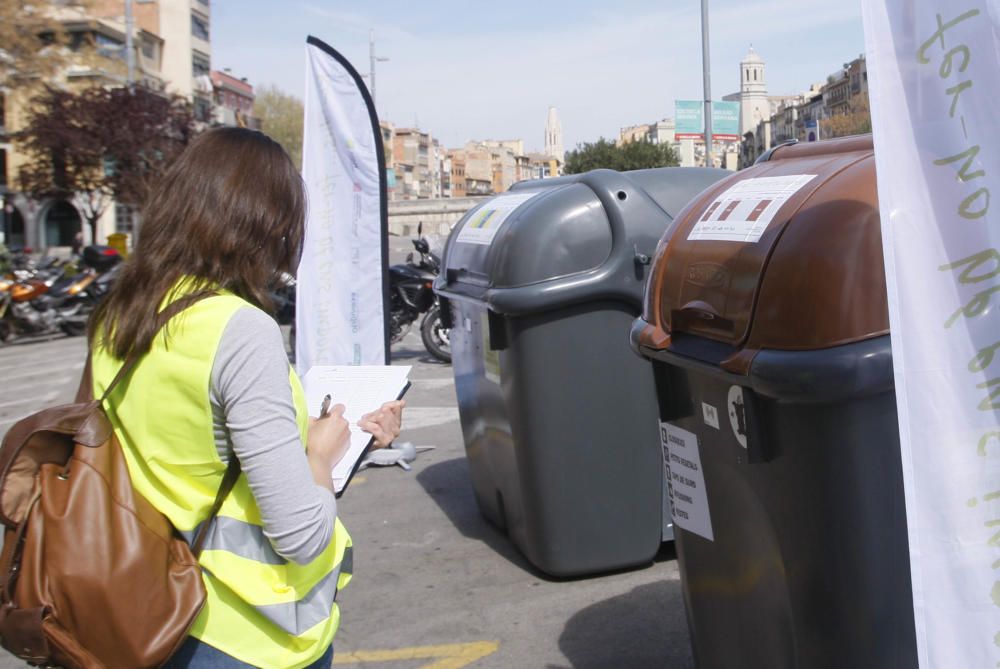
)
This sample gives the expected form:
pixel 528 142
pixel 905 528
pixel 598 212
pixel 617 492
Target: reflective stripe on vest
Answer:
pixel 299 617
pixel 248 541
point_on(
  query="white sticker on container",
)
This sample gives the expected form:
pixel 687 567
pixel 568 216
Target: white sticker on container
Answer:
pixel 484 224
pixel 743 212
pixel 711 415
pixel 738 414
pixel 685 481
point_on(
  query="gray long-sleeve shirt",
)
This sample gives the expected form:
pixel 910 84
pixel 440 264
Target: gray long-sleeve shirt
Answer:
pixel 254 417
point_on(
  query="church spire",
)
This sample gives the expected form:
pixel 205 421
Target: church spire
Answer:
pixel 553 136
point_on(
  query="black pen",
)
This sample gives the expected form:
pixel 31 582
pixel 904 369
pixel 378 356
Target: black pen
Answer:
pixel 325 408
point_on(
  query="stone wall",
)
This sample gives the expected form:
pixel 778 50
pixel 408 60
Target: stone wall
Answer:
pixel 438 215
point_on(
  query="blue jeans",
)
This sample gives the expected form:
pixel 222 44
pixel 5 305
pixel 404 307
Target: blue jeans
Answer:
pixel 194 654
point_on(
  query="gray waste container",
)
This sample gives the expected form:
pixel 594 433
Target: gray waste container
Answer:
pixel 558 415
pixel 766 318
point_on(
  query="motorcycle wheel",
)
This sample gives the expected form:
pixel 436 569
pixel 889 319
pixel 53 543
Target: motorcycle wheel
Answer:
pixel 435 335
pixel 73 328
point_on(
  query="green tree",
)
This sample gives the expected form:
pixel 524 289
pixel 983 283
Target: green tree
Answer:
pixel 281 116
pixel 643 155
pixel 630 156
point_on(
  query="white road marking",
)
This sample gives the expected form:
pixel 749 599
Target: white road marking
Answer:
pixel 433 384
pixel 35 371
pixel 40 401
pixel 415 418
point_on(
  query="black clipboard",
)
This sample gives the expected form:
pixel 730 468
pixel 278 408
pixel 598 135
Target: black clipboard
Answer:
pixel 357 465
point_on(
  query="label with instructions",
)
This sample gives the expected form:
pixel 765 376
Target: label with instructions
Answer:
pixel 685 481
pixel 743 212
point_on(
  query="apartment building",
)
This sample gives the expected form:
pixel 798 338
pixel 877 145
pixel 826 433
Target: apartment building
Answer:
pixel 172 50
pixel 457 177
pixel 413 154
pixel 232 99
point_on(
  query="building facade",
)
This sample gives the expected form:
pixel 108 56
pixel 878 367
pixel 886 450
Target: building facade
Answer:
pixel 232 99
pixel 414 156
pixel 172 52
pixel 807 117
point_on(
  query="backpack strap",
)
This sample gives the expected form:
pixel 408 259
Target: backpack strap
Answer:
pixel 228 482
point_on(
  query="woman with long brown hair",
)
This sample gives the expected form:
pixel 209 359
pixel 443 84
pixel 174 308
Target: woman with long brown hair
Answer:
pixel 215 385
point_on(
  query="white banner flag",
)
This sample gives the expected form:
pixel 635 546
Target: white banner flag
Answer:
pixel 341 311
pixel 934 77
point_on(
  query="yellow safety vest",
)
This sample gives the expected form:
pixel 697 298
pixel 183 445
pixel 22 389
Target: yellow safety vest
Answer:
pixel 261 608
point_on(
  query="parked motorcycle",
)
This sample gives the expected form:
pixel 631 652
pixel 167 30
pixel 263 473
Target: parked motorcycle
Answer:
pixel 50 297
pixel 411 295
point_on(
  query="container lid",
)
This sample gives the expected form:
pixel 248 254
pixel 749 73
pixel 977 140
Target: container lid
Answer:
pixel 566 239
pixel 530 235
pixel 784 255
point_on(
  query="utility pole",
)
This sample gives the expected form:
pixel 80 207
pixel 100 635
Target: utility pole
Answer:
pixel 709 162
pixel 372 60
pixel 129 46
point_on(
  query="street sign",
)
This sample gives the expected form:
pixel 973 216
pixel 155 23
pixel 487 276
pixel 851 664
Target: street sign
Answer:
pixel 812 130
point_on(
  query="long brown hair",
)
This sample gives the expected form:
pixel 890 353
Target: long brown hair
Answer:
pixel 230 213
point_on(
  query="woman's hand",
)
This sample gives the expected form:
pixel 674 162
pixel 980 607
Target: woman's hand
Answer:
pixel 384 423
pixel 326 444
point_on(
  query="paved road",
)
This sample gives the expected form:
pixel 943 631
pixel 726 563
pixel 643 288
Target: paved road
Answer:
pixel 435 585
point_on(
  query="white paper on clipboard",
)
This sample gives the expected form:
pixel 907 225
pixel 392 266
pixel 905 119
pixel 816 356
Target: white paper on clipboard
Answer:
pixel 361 389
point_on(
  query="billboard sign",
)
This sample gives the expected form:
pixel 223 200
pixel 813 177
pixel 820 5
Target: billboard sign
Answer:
pixel 726 121
pixel 690 119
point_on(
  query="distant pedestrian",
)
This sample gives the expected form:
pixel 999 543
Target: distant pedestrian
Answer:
pixel 222 224
pixel 77 246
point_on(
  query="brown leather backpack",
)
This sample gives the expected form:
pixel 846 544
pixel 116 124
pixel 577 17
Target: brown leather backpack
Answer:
pixel 93 575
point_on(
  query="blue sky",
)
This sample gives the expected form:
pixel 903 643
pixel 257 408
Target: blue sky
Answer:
pixel 490 70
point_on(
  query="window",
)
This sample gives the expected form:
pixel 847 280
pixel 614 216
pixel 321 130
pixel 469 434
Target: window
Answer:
pixel 202 109
pixel 3 167
pixel 148 49
pixel 3 112
pixel 124 218
pixel 200 65
pixel 199 28
pixel 109 47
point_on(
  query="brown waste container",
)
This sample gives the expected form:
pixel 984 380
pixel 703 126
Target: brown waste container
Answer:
pixel 765 318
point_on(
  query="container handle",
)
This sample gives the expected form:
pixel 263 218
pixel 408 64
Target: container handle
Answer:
pixel 619 277
pixel 703 315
